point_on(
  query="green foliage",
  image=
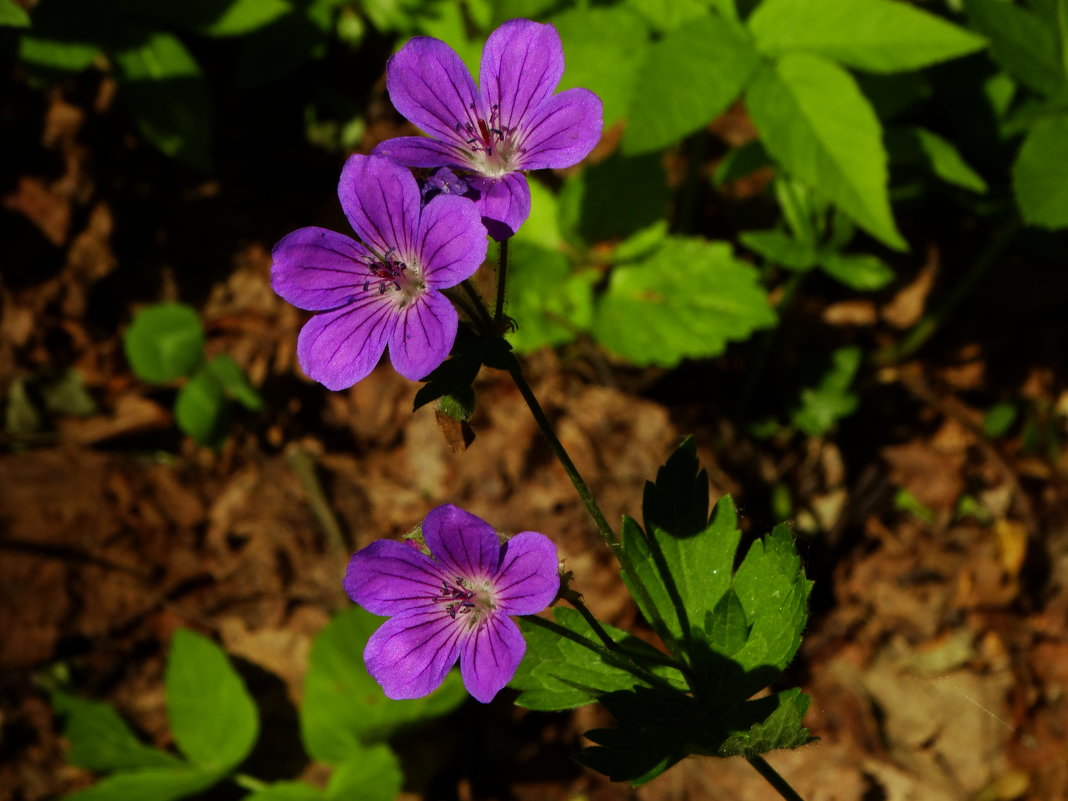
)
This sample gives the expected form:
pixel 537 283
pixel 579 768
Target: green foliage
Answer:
pixel 201 410
pixel 816 123
pixel 917 145
pixel 1040 174
pixel 155 783
pixel 875 35
pixel 823 404
pixel 164 342
pixel 13 15
pixel 212 716
pixel 101 741
pixel 690 296
pixel 1021 42
pixel 344 709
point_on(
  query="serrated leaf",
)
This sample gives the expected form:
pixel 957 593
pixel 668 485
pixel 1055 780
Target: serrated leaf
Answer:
pixel 780 728
pixel 876 35
pixel 661 615
pixel 164 342
pixel 1040 174
pixel 235 382
pixel 101 741
pixel 604 48
pixel 373 774
pixel 155 784
pixel 163 88
pixel 781 249
pixel 550 303
pixel 1020 42
pixel 815 122
pixel 13 15
pixel 344 709
pixel 201 409
pixel 212 715
pixel 567 666
pixel 686 79
pixel 918 145
pixel 862 271
pixel 726 628
pixel 690 296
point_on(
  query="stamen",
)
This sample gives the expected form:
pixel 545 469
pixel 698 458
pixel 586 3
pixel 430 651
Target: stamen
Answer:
pixel 459 596
pixel 385 268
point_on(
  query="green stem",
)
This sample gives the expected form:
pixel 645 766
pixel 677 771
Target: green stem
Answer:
pixel 250 783
pixel 502 275
pixel 782 787
pixel 593 623
pixel 931 322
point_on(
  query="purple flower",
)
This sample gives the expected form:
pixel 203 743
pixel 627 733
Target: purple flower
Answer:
pixel 451 605
pixel 385 289
pixel 513 123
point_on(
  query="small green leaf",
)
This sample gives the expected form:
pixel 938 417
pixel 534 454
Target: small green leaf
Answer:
pixel 686 79
pixel 1040 174
pixel 235 382
pixel 822 405
pixel 780 249
pixel 691 297
pixel 156 784
pixel 212 715
pixel 815 122
pixel 999 419
pixel 59 55
pixel 163 87
pixel 243 16
pixel 917 144
pixel 876 35
pixel 1020 42
pixel 201 409
pixel 863 271
pixel 13 15
pixel 344 709
pixel 164 342
pixel 286 791
pixel 101 741
pixel 373 774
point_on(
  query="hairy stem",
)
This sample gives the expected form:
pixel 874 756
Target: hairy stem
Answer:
pixel 771 776
pixel 593 623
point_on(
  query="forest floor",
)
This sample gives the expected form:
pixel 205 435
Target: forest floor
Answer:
pixel 937 649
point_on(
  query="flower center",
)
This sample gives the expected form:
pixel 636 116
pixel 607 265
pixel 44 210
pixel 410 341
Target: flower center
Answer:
pixel 458 598
pixel 390 274
pixel 492 145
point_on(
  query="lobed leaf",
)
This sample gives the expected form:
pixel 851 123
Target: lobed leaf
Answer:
pixel 876 35
pixel 817 125
pixel 213 718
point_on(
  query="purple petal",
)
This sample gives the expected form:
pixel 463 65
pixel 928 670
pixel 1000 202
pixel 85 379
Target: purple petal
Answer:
pixel 451 241
pixel 423 335
pixel 529 576
pixel 381 200
pixel 431 87
pixel 465 544
pixel 392 578
pixel 422 151
pixel 338 348
pixel 522 63
pixel 504 203
pixel 489 656
pixel 317 269
pixel 562 132
pixel 410 654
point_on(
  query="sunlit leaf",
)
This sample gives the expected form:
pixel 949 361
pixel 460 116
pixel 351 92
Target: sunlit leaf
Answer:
pixel 164 342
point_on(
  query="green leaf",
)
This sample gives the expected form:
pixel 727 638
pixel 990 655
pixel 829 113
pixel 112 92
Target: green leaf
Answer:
pixel 686 79
pixel 101 741
pixel 164 90
pixel 344 709
pixel 43 53
pixel 875 35
pixel 604 48
pixel 613 199
pixel 155 784
pixel 1040 174
pixel 201 409
pixel 862 272
pixel 918 145
pixel 549 301
pixel 740 162
pixel 164 342
pixel 822 405
pixel 999 419
pixel 781 249
pixel 13 15
pixel 235 382
pixel 1021 43
pixel 773 590
pixel 212 715
pixel 373 774
pixel 663 17
pixel 278 49
pixel 286 791
pixel 779 728
pixel 242 16
pixel 691 297
pixel 815 122
pixel 726 628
